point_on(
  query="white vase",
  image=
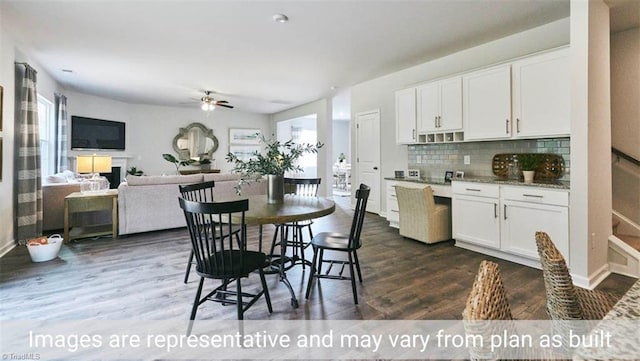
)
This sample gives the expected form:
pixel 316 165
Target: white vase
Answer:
pixel 528 175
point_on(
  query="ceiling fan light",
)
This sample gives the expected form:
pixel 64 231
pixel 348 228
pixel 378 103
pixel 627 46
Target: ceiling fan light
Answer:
pixel 204 106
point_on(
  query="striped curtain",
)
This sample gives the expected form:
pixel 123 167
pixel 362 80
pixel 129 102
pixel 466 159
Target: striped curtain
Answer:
pixel 27 139
pixel 61 133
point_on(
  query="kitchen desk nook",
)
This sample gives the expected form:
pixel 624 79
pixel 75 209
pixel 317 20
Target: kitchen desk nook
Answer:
pixel 498 217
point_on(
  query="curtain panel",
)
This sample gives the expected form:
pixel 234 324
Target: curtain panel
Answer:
pixel 61 133
pixel 27 161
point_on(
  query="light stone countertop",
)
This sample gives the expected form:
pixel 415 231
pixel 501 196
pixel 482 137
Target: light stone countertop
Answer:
pixel 555 184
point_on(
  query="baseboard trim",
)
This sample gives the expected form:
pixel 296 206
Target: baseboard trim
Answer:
pixel 7 248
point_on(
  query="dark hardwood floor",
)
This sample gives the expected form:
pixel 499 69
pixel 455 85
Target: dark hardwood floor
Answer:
pixel 140 277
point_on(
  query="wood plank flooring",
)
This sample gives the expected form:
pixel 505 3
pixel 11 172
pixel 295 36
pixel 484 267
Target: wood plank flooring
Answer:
pixel 140 277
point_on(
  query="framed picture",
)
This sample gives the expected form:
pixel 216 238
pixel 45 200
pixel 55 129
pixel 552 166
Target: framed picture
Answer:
pixel 448 175
pixel 244 136
pixel 244 152
pixel 459 174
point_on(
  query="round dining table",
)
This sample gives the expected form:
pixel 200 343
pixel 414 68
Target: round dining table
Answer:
pixel 294 208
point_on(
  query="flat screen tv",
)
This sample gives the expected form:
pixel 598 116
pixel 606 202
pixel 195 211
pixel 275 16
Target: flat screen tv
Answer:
pixel 90 133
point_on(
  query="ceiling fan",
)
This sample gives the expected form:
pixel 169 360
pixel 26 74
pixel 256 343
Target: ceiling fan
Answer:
pixel 208 103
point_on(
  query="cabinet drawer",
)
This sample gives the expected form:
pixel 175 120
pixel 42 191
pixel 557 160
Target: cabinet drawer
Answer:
pixel 536 195
pixel 475 189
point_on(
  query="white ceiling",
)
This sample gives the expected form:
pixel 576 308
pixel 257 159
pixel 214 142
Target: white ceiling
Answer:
pixel 167 52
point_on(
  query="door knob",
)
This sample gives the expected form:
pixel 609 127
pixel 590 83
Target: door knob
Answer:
pixel 375 168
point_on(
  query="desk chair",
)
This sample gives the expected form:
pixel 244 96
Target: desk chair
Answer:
pixel 420 217
pixel 307 187
pixel 346 243
pixel 219 258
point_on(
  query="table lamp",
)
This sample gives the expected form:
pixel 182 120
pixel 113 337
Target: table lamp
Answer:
pixel 93 164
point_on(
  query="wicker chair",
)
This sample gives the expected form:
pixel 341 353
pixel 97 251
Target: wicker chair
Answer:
pixel 420 217
pixel 487 301
pixel 564 300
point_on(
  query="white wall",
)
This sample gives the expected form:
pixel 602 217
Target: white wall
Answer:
pixel 590 201
pixel 151 129
pixel 379 93
pixel 625 91
pixel 341 139
pixel 6 183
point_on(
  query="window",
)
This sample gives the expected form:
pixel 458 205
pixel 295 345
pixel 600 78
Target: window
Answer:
pixel 46 128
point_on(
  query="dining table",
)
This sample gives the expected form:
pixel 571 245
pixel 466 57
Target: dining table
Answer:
pixel 294 208
pixel 621 328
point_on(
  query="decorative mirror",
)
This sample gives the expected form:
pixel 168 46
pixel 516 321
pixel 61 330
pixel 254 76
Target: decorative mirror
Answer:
pixel 195 141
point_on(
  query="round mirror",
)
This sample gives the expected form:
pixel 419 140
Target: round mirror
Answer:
pixel 195 141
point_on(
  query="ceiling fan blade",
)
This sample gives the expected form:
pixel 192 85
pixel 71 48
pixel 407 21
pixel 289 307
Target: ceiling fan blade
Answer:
pixel 225 105
pixel 221 101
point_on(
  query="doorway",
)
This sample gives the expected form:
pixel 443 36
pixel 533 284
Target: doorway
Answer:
pixel 301 130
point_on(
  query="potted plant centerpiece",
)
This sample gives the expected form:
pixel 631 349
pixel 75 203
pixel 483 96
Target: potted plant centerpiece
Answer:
pixel 278 158
pixel 177 162
pixel 529 163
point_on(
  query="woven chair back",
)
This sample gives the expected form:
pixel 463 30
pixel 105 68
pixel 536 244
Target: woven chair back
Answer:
pixel 562 300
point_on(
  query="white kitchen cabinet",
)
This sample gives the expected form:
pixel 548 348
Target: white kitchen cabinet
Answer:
pixel 406 132
pixel 475 214
pixel 439 105
pixel 487 103
pixel 541 95
pixel 526 210
pixel 502 220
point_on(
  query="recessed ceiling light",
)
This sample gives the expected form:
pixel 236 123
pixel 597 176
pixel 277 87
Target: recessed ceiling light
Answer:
pixel 280 18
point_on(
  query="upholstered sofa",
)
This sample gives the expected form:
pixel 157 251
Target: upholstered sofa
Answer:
pixel 150 203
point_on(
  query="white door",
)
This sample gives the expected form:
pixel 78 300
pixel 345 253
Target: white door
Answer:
pixel 368 156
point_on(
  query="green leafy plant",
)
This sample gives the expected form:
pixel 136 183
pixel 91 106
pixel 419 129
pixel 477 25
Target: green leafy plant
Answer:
pixel 529 161
pixel 205 161
pixel 278 158
pixel 134 171
pixel 177 162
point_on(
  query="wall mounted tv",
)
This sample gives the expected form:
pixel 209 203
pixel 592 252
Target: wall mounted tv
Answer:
pixel 89 133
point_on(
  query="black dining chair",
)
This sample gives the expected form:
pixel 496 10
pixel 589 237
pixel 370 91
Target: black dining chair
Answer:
pixel 217 257
pixel 347 243
pixel 306 187
pixel 198 192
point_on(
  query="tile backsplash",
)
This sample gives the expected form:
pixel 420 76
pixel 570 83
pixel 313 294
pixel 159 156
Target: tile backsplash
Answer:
pixel 434 159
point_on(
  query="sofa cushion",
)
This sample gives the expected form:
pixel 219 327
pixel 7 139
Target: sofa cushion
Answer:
pixel 172 179
pixel 55 178
pixel 220 177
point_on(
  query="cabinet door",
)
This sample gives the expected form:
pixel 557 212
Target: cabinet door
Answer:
pixel 476 220
pixel 406 116
pixel 450 104
pixel 428 107
pixel 541 96
pixel 487 104
pixel 521 221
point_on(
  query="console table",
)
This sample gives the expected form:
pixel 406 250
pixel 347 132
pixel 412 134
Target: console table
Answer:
pixel 79 202
pixel 198 171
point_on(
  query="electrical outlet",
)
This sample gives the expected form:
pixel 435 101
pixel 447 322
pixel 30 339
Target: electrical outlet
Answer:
pixel 593 240
pixel 467 159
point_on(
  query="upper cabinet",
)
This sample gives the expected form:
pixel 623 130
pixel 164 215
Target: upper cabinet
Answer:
pixel 487 103
pixel 439 106
pixel 541 95
pixel 527 98
pixel 406 116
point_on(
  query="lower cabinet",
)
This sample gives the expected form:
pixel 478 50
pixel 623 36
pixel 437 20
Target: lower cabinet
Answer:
pixel 502 220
